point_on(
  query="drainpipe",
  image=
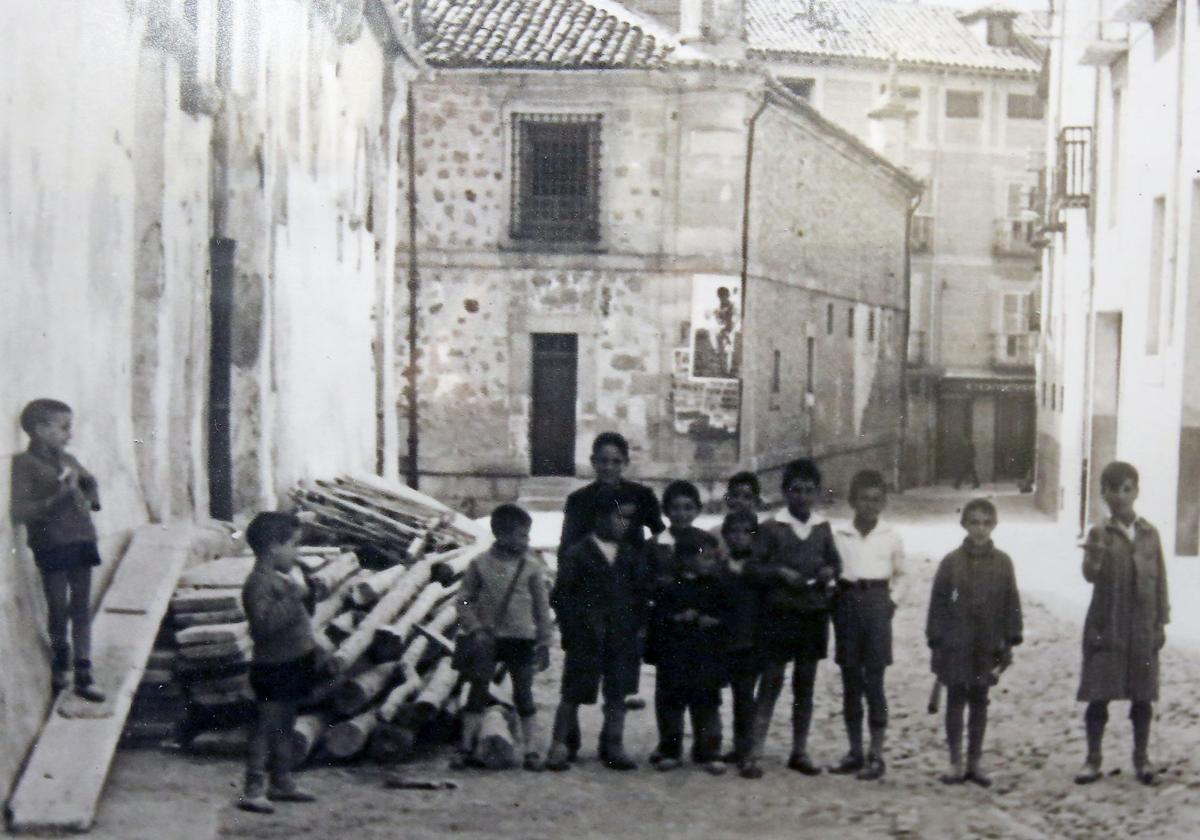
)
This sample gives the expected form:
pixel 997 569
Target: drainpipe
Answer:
pixel 414 287
pixel 746 193
pixel 908 220
pixel 1088 468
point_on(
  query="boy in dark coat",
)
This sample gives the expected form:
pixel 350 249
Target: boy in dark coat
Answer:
pixel 688 621
pixel 743 662
pixel 1125 625
pixel 974 622
pixel 795 576
pixel 601 597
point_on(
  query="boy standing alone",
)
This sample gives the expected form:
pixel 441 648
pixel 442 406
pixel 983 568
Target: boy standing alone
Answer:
pixel 872 555
pixel 1126 622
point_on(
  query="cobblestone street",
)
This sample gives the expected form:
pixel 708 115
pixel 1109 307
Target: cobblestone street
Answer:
pixel 1034 747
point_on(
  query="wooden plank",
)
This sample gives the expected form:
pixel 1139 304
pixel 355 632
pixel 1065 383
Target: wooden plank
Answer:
pixel 58 791
pixel 195 619
pixel 203 634
pixel 222 573
pixel 205 600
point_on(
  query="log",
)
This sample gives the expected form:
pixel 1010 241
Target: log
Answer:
pixel 307 732
pixel 389 641
pixel 441 684
pixel 325 582
pixel 221 742
pixel 412 655
pixel 218 650
pixel 370 589
pixel 222 573
pixel 205 634
pixel 354 695
pixel 384 612
pixel 205 600
pixel 339 599
pixel 496 748
pixel 348 738
pixel 342 626
pixel 194 619
pixel 392 743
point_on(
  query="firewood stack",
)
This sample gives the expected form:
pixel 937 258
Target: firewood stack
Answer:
pixel 386 629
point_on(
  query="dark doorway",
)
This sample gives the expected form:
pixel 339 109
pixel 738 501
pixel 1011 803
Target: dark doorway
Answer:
pixel 1016 434
pixel 954 433
pixel 552 424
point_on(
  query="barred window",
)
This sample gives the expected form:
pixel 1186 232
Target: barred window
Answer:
pixel 556 177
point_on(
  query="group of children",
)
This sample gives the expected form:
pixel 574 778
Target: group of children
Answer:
pixel 732 607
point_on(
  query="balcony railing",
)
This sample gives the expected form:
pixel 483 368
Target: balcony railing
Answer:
pixel 1073 167
pixel 1014 350
pixel 1015 237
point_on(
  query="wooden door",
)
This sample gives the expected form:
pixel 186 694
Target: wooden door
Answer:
pixel 1016 435
pixel 954 430
pixel 552 420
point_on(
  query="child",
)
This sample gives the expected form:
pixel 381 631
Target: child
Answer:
pixel 872 555
pixel 601 597
pixel 504 594
pixel 742 492
pixel 800 565
pixel 974 622
pixel 1124 629
pixel 283 667
pixel 740 531
pixel 610 457
pixel 689 618
pixel 681 503
pixel 54 496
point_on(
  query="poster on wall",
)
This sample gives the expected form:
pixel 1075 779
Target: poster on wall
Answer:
pixel 716 332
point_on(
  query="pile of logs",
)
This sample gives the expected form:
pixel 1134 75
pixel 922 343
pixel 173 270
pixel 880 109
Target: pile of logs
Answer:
pixel 389 631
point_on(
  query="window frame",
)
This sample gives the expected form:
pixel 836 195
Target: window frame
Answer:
pixel 1036 112
pixel 526 229
pixel 962 96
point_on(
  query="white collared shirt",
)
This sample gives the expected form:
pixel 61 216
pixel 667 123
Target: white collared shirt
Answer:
pixel 607 548
pixel 801 529
pixel 877 556
pixel 1129 531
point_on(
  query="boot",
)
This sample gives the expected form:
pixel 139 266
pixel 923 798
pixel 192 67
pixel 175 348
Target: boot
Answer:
pixel 976 728
pixel 60 668
pixel 1141 715
pixel 954 775
pixel 613 738
pixel 254 795
pixel 283 789
pixel 85 683
pixel 1094 728
pixel 529 742
pixel 853 761
pixel 566 719
pixel 471 722
pixel 875 767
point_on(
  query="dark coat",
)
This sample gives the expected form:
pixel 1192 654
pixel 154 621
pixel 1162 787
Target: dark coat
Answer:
pixel 1123 631
pixel 690 657
pixel 601 606
pixel 781 548
pixel 745 600
pixel 579 514
pixel 974 615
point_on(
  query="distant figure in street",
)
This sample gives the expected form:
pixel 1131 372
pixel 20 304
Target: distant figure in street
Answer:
pixel 284 664
pixel 610 458
pixel 974 622
pixel 53 496
pixel 796 576
pixel 872 558
pixel 686 642
pixel 966 466
pixel 1126 622
pixel 743 661
pixel 601 597
pixel 504 595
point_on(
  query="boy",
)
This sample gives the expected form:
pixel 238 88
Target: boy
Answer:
pixel 681 503
pixel 973 624
pixel 54 496
pixel 283 666
pixel 610 458
pixel 872 555
pixel 601 596
pixel 504 594
pixel 740 535
pixel 1125 625
pixel 742 492
pixel 690 618
pixel 800 565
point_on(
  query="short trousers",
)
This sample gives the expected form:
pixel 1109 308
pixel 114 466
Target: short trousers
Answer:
pixel 789 636
pixel 862 627
pixel 64 558
pixel 282 681
pixel 618 669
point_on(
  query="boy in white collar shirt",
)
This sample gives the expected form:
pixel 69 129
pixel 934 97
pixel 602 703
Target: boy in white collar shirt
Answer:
pixel 872 558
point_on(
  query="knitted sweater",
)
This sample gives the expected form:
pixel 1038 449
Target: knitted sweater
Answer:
pixel 278 616
pixel 482 591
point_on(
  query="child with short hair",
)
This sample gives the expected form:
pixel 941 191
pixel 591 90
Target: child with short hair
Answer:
pixel 53 496
pixel 504 594
pixel 681 503
pixel 973 624
pixel 689 619
pixel 601 596
pixel 742 493
pixel 872 559
pixel 799 566
pixel 1126 621
pixel 284 663
pixel 743 662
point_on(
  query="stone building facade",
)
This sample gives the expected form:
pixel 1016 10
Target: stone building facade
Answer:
pixel 727 288
pixel 191 187
pixel 1119 375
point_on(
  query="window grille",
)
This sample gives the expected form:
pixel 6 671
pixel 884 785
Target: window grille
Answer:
pixel 556 177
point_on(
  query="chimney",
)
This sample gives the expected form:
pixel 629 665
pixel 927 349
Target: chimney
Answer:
pixel 889 120
pixel 716 24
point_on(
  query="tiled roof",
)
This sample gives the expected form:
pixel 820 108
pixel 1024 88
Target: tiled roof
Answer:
pixel 874 30
pixel 538 34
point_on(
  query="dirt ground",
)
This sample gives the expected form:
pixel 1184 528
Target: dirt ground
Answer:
pixel 1034 747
